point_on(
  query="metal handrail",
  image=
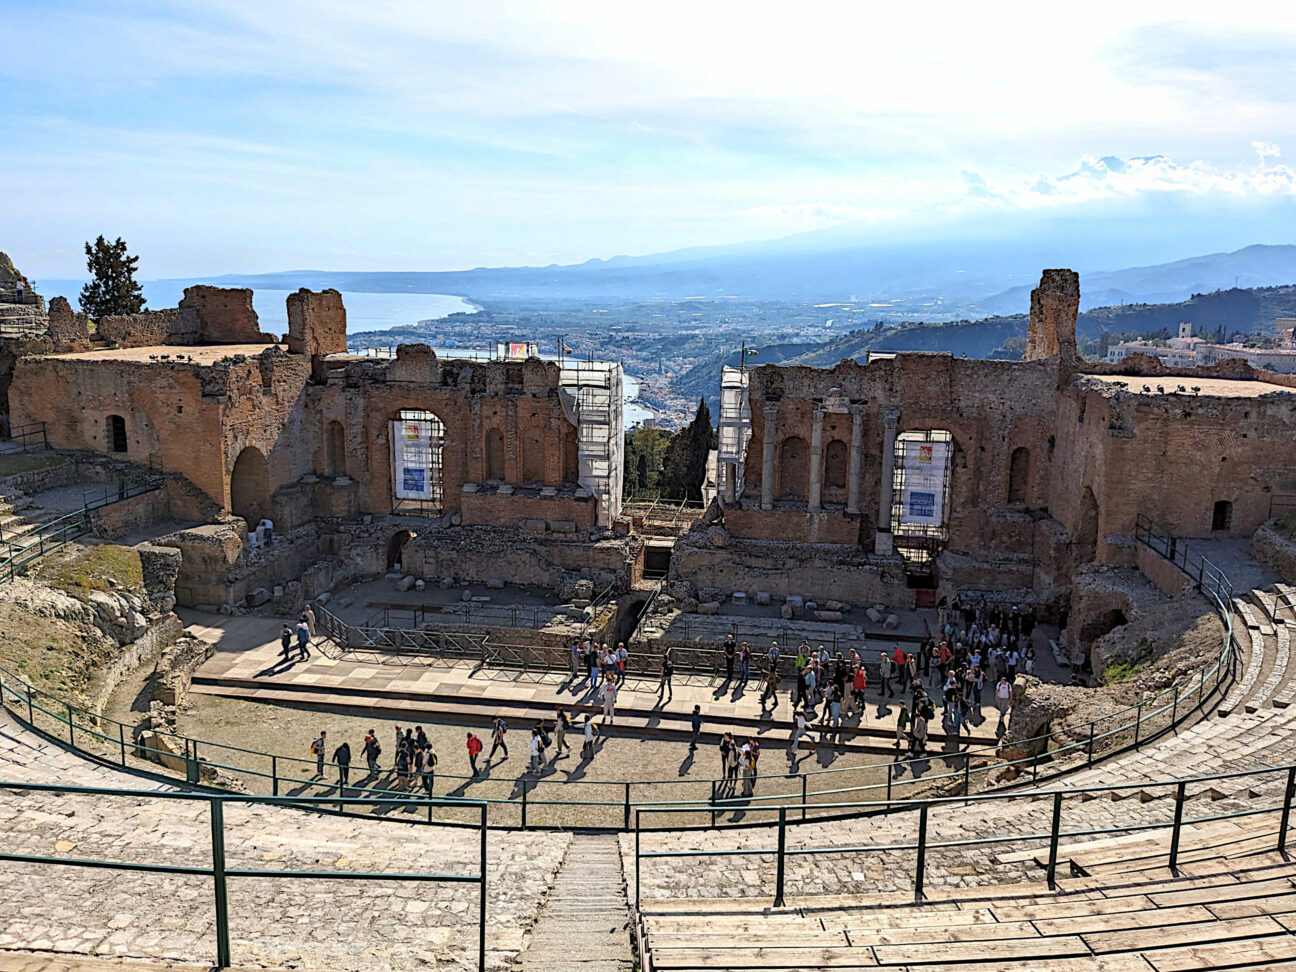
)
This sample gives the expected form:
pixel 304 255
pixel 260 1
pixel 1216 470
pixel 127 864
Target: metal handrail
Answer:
pixel 922 844
pixel 1105 737
pixel 219 872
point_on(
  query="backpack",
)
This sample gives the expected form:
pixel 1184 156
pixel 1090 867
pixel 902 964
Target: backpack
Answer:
pixel 316 748
pixel 544 739
pixel 928 712
pixel 377 750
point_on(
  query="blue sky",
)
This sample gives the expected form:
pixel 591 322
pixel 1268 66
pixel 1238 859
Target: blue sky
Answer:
pixel 246 137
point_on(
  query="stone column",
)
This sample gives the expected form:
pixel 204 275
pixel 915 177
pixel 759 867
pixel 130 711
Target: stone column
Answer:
pixel 767 458
pixel 856 455
pixel 883 543
pixel 816 462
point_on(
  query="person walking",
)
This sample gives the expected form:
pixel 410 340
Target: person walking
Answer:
pixel 726 744
pixel 799 726
pixel 751 754
pixel 622 662
pixel 744 662
pixel 427 768
pixel 561 724
pixel 303 641
pixel 285 639
pixel 902 723
pixel 474 749
pixel 308 615
pixel 859 685
pixel 885 664
pixel 696 723
pixel 497 739
pixel 592 660
pixel 342 756
pixel 534 749
pixel 402 769
pixel 587 748
pixel 1002 697
pixel 771 687
pixel 575 657
pixel 730 655
pixel 317 750
pixel 371 752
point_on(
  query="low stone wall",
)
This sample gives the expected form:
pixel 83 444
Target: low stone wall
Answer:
pixel 1165 576
pixel 1276 550
pixel 36 480
pixel 159 635
pixel 130 515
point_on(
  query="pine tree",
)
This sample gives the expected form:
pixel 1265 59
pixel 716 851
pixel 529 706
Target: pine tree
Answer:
pixel 112 288
pixel 684 465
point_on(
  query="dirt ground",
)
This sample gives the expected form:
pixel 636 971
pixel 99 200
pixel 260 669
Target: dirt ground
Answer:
pixel 597 784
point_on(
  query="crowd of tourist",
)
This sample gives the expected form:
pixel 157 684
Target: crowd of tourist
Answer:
pixel 977 651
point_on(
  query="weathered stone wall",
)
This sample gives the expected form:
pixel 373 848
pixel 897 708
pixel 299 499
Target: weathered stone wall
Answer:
pixel 991 408
pixel 218 315
pixel 1054 305
pixel 316 323
pixel 1274 548
pixel 1120 453
pixel 142 330
pixel 36 480
pixel 1164 576
pixel 131 515
pixel 69 331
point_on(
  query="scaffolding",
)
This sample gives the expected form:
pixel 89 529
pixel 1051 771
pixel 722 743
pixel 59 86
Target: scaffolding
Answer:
pixel 734 432
pixel 593 399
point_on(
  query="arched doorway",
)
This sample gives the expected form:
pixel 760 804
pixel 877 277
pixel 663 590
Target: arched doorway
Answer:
pixel 335 463
pixel 250 486
pixel 794 468
pixel 835 465
pixel 495 455
pixel 1019 475
pixel 1085 537
pixel 417 438
pixel 117 441
pixel 396 545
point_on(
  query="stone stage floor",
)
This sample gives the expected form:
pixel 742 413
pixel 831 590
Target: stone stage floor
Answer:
pixel 247 664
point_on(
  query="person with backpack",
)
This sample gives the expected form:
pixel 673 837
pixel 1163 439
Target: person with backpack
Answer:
pixel 751 754
pixel 371 753
pixel 771 686
pixel 730 655
pixel 303 641
pixel 429 768
pixel 591 730
pixel 902 723
pixel 285 639
pixel 800 727
pixel 696 723
pixel 402 769
pixel 400 739
pixel 474 750
pixel 497 739
pixel 342 757
pixel 317 750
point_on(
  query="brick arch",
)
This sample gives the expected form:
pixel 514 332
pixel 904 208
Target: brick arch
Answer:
pixel 249 486
pixel 793 468
pixel 836 458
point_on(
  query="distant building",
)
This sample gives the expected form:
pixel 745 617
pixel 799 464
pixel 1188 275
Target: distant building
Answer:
pixel 1178 352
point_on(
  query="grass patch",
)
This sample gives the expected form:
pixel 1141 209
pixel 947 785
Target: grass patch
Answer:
pixel 50 654
pixel 1121 671
pixel 13 465
pixel 91 569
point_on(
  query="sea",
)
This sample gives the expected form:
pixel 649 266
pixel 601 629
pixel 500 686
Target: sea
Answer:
pixel 365 312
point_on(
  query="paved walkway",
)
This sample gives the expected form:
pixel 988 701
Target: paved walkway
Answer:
pixel 321 924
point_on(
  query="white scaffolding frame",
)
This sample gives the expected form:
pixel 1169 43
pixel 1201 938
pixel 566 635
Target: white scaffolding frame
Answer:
pixel 594 398
pixel 734 432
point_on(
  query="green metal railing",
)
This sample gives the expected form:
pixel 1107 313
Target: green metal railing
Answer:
pixel 220 873
pixel 17 551
pixel 921 844
pixel 25 438
pixel 705 803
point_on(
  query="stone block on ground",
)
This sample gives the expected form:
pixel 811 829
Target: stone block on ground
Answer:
pixel 874 615
pixel 762 598
pixel 786 612
pixel 258 597
pixel 827 615
pixel 892 622
pixel 405 583
pixel 495 583
pixel 709 607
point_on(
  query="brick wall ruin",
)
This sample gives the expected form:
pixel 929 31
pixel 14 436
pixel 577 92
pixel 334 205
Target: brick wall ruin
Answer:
pixel 316 323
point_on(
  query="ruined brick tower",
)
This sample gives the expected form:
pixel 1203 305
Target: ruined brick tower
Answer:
pixel 1053 308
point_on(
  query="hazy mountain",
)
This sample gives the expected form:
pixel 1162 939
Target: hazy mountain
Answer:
pixel 942 265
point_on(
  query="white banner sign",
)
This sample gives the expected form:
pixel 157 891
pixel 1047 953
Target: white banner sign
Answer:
pixel 412 459
pixel 922 497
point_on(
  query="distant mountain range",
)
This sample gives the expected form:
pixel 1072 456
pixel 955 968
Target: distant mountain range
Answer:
pixel 932 267
pixel 1227 312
